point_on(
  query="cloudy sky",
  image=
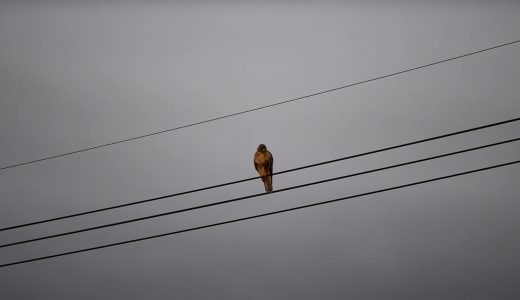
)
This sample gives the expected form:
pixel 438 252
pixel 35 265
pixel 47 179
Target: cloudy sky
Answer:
pixel 80 74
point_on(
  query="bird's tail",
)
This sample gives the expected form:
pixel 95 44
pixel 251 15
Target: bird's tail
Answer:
pixel 268 183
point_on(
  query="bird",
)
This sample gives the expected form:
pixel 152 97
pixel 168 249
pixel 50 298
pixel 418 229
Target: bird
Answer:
pixel 263 161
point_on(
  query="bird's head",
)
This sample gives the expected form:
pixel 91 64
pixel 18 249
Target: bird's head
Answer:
pixel 261 147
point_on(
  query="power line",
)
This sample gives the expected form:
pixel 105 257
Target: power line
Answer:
pixel 257 216
pixel 257 108
pixel 256 195
pixel 256 177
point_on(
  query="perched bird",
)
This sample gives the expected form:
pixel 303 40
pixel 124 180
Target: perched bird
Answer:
pixel 264 166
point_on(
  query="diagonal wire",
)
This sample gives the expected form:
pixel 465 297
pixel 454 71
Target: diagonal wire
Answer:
pixel 256 177
pixel 257 216
pixel 257 195
pixel 258 108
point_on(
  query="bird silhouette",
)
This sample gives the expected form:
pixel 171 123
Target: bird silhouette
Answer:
pixel 263 161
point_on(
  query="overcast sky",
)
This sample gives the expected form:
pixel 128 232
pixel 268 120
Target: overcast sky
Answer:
pixel 79 74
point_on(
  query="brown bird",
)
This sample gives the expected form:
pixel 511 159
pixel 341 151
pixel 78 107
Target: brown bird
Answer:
pixel 264 166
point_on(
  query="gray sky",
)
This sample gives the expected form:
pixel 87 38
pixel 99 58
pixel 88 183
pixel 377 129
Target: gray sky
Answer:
pixel 78 74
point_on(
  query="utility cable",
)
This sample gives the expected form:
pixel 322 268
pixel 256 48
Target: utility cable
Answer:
pixel 256 177
pixel 256 195
pixel 257 108
pixel 258 216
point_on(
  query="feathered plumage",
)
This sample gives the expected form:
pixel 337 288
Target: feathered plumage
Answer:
pixel 263 161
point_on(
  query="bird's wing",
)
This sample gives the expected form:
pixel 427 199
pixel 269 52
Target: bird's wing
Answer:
pixel 271 161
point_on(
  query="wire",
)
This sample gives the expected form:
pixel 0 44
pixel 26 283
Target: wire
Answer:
pixel 257 108
pixel 259 215
pixel 256 177
pixel 256 195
